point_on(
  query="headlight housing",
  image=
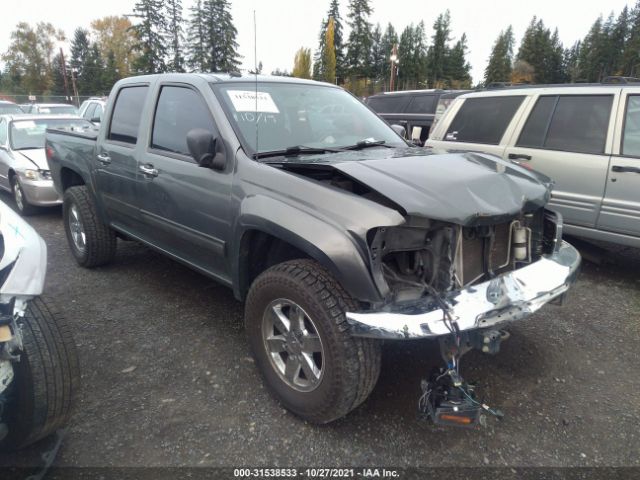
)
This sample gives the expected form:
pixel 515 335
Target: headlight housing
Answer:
pixel 37 174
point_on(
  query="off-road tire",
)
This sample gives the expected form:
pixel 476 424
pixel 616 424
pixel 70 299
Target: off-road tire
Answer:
pixel 46 378
pixel 27 209
pixel 101 241
pixel 352 365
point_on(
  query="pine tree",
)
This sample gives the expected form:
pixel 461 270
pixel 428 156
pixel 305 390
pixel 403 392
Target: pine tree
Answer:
pixel 439 49
pixel 196 39
pixel 220 46
pixel 406 67
pixel 110 74
pixel 543 51
pixel 592 55
pixel 618 42
pixel 378 55
pixel 318 61
pixel 457 69
pixel 151 44
pixel 58 86
pixel 501 58
pixel 359 44
pixel 571 64
pixel 80 60
pixel 175 36
pixel 631 55
pixel 329 53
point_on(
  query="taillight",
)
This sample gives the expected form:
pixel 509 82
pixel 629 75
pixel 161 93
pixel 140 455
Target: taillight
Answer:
pixel 49 152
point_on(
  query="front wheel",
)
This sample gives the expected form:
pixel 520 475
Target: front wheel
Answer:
pixel 92 242
pixel 40 398
pixel 298 332
pixel 24 207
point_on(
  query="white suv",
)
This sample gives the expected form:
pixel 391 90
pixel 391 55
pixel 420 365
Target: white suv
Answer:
pixel 93 109
pixel 586 138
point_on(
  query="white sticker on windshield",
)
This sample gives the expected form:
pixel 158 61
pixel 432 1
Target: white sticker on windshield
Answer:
pixel 24 125
pixel 245 101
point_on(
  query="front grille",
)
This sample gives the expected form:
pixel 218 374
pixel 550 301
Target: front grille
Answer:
pixel 482 249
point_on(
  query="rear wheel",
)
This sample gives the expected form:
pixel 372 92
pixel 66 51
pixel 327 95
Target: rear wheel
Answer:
pixel 22 204
pixel 40 398
pixel 92 242
pixel 297 329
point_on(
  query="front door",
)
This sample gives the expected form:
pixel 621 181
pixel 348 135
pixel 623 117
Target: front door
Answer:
pixel 620 211
pixel 565 137
pixel 184 207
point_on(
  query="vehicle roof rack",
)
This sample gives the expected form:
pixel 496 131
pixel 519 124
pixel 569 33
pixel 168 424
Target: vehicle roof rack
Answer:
pixel 617 79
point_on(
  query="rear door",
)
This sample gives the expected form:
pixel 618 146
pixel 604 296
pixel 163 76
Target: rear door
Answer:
pixel 185 208
pixel 482 124
pixel 620 210
pixel 566 137
pixel 116 158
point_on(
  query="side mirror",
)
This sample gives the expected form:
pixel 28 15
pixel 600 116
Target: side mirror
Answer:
pixel 400 130
pixel 206 149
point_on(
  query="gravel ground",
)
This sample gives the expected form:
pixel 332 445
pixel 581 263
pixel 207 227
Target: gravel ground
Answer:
pixel 167 379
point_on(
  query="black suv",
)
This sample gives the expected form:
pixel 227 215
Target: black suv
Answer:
pixel 415 110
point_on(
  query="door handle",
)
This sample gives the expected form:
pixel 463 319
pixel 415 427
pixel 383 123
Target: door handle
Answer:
pixel 519 156
pixel 621 169
pixel 104 159
pixel 148 170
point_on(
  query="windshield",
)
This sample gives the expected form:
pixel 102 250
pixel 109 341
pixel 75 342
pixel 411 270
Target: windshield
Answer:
pixel 59 109
pixel 27 134
pixel 8 108
pixel 291 115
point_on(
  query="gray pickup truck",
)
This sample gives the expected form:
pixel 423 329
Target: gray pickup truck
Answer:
pixel 335 232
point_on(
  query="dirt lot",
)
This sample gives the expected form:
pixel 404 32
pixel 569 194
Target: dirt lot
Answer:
pixel 168 380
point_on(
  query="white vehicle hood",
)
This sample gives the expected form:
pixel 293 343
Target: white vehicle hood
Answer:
pixel 36 157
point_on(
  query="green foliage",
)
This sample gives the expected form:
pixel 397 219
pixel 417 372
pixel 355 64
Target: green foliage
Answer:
pixel 220 45
pixel 359 44
pixel 150 32
pixel 28 60
pixel 175 36
pixel 412 55
pixel 338 43
pixel 302 63
pixel 543 51
pixel 329 53
pixel 439 50
pixel 501 58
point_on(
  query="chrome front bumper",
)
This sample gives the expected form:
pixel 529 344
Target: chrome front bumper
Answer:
pixel 511 296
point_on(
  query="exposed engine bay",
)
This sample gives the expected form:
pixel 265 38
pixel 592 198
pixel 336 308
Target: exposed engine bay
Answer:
pixel 440 257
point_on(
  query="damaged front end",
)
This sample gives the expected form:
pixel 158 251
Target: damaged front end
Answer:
pixel 459 284
pixel 480 275
pixel 23 264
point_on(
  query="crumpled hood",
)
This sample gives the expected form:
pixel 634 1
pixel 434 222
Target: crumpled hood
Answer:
pixel 37 157
pixel 458 187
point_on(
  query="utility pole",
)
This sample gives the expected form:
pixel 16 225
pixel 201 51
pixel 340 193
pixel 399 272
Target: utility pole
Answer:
pixel 394 65
pixel 64 75
pixel 75 89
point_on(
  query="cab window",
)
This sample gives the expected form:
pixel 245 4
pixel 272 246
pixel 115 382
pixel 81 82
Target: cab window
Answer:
pixel 179 110
pixel 127 113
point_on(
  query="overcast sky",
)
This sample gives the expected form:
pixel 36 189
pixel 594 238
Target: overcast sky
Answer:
pixel 283 26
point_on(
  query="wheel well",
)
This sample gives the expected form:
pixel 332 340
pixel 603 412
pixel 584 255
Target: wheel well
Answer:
pixel 260 251
pixel 12 174
pixel 69 178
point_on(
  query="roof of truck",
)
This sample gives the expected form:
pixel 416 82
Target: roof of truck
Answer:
pixel 222 77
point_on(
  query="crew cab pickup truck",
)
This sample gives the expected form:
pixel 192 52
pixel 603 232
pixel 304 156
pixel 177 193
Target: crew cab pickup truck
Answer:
pixel 334 231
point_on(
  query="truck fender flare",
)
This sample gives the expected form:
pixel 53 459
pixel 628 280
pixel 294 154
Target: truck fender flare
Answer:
pixel 330 246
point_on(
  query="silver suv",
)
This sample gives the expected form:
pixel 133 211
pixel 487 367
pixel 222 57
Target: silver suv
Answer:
pixel 586 138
